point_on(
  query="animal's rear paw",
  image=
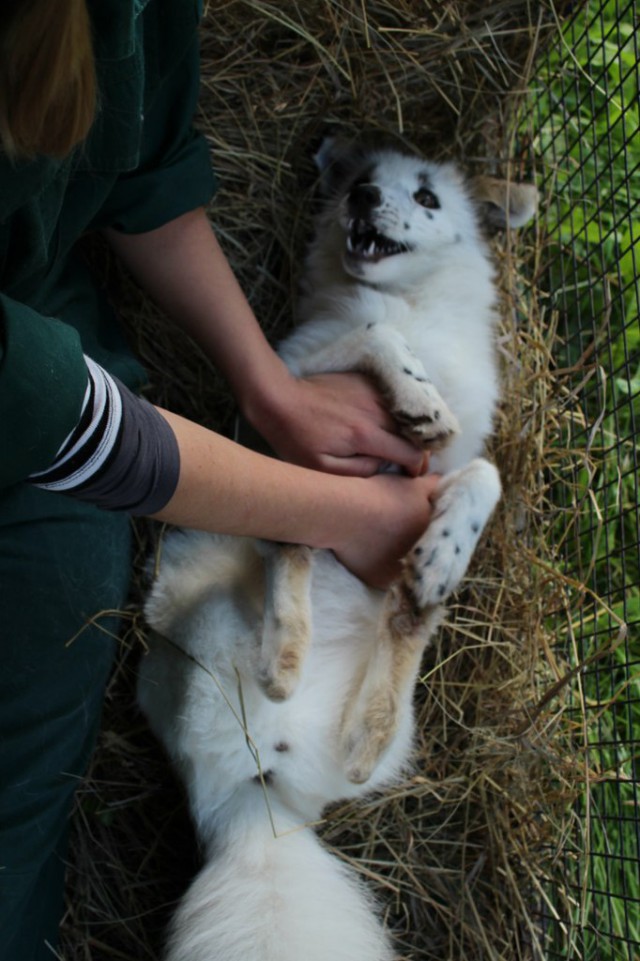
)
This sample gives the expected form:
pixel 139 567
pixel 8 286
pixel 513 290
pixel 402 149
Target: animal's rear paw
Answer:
pixel 280 675
pixel 286 630
pixel 365 734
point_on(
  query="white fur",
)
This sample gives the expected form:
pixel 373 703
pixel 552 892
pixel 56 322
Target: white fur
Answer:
pixel 438 301
pixel 441 298
pixel 421 321
pixel 261 897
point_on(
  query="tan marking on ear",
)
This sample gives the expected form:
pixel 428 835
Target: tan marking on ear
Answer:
pixel 507 204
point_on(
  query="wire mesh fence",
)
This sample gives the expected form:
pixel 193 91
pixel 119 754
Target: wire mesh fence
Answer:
pixel 586 148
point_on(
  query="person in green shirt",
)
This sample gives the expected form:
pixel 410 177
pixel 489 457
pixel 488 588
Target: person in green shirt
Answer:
pixel 96 106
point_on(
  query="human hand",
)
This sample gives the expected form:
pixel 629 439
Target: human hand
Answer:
pixel 369 523
pixel 338 423
pixel 395 512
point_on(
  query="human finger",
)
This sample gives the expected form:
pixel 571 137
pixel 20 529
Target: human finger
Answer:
pixel 356 465
pixel 391 447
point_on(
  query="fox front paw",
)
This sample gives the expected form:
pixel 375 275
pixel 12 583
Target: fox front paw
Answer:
pixel 420 411
pixel 438 562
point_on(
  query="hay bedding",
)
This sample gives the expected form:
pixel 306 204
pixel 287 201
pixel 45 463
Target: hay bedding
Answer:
pixel 455 853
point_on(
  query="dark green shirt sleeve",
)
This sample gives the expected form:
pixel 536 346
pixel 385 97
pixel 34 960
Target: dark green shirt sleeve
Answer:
pixel 174 173
pixel 43 378
pixel 142 166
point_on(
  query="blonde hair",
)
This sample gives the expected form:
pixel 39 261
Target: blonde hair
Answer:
pixel 47 77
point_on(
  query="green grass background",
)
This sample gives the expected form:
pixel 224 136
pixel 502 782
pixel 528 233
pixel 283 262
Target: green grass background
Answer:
pixel 585 120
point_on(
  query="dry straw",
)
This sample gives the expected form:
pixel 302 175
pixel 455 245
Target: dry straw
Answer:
pixel 458 854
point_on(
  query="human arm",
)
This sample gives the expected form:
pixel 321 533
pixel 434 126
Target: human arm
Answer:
pixel 333 422
pixel 125 454
pixel 370 523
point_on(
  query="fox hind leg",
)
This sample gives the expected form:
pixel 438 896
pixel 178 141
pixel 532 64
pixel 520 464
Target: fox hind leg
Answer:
pixel 412 611
pixel 372 713
pixel 286 629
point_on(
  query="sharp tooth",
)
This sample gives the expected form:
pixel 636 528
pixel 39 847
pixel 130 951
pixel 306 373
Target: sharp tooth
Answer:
pixel 349 244
pixel 371 249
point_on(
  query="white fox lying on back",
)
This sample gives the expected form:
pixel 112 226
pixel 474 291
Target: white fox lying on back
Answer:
pixel 399 284
pixel 297 687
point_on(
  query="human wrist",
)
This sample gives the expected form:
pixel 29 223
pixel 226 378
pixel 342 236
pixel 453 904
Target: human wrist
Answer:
pixel 227 489
pixel 266 398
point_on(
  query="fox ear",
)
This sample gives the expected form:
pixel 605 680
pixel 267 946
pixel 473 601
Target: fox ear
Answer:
pixel 337 160
pixel 504 203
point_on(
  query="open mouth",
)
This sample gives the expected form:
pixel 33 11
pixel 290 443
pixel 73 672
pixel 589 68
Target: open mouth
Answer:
pixel 364 242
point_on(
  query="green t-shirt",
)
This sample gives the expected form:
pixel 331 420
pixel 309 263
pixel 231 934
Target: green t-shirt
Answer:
pixel 141 166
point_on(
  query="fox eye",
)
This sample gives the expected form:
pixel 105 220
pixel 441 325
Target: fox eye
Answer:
pixel 426 198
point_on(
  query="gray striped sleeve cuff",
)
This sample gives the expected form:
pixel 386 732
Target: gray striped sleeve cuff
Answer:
pixel 122 454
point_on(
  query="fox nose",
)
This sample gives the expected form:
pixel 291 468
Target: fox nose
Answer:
pixel 363 198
